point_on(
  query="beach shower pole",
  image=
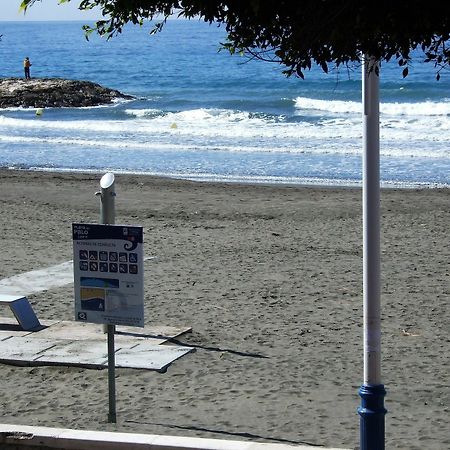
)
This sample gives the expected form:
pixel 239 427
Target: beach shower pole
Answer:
pixel 108 216
pixel 372 392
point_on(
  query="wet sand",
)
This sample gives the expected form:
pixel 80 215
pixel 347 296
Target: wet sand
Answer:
pixel 270 280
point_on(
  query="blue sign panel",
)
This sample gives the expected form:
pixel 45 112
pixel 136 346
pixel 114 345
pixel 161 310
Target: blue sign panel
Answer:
pixel 108 274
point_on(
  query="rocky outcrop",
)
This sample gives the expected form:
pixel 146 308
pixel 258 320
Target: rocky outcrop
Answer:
pixel 54 92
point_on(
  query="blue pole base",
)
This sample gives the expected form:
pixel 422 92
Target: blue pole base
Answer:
pixel 372 412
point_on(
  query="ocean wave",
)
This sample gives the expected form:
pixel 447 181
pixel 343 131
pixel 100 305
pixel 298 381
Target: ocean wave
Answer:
pixel 242 179
pixel 206 114
pixel 193 123
pixel 144 113
pixel 426 108
pixel 116 102
pixel 311 146
pixel 39 123
pixel 232 131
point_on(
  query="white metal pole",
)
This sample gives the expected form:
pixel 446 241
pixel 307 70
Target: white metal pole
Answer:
pixel 372 392
pixel 371 222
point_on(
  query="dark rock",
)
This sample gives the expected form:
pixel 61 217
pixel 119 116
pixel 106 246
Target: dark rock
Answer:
pixel 55 92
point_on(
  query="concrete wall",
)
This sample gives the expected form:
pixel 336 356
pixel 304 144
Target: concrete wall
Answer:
pixel 19 437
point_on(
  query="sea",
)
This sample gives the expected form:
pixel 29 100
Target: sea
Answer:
pixel 202 114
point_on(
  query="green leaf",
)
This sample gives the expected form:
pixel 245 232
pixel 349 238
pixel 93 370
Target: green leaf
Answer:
pixel 24 5
pixel 405 72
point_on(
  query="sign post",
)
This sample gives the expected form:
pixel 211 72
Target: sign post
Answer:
pixel 108 216
pixel 108 276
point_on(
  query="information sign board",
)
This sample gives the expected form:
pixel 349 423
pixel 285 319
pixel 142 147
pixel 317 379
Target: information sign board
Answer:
pixel 108 274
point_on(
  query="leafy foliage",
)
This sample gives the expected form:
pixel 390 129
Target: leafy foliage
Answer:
pixel 300 33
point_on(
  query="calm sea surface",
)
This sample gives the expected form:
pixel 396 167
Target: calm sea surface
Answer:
pixel 205 115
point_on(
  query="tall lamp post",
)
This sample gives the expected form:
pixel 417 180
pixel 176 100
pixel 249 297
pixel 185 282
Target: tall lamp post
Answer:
pixel 372 392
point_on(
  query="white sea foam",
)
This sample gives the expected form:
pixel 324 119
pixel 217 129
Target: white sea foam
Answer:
pixel 210 124
pixel 426 108
pixel 200 114
pixel 197 123
pixel 68 125
pixel 312 146
pixel 235 131
pixel 211 177
pixel 143 112
pixel 116 102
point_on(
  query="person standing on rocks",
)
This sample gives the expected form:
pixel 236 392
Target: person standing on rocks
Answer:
pixel 26 67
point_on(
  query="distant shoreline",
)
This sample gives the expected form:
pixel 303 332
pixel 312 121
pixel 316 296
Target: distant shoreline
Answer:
pixel 303 183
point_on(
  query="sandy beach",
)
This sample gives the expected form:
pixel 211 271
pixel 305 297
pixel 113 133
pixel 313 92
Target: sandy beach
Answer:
pixel 270 280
